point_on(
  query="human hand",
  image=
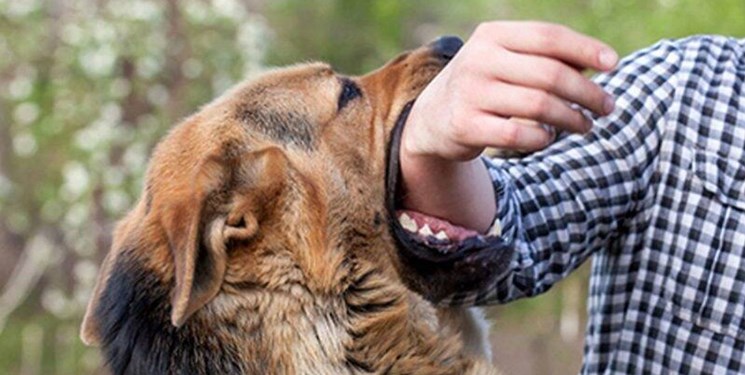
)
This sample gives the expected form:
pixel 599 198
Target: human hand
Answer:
pixel 505 80
pixel 508 70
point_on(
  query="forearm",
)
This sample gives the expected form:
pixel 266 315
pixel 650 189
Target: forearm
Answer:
pixel 562 204
pixel 460 192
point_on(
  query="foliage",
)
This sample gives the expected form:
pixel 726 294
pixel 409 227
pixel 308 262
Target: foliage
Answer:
pixel 91 85
pixel 633 24
pixel 357 36
pixel 88 86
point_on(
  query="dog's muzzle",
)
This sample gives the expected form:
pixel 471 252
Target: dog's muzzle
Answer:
pixel 446 260
pixel 446 46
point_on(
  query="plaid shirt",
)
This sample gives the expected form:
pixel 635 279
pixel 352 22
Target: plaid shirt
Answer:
pixel 656 192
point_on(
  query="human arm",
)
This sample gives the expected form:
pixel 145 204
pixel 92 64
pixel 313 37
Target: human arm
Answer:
pixel 505 70
pixel 560 205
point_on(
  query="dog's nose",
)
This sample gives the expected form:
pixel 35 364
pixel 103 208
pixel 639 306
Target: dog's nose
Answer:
pixel 447 46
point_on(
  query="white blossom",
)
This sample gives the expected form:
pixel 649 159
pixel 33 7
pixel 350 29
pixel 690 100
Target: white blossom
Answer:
pixel 24 144
pixel 191 68
pixel 20 87
pixel 76 180
pixel 26 113
pixel 98 62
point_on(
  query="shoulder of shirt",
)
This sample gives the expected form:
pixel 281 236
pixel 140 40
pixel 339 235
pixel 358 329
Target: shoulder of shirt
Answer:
pixel 704 40
pixel 668 56
pixel 693 46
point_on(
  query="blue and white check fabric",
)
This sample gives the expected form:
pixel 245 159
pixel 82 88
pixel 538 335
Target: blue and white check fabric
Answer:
pixel 655 193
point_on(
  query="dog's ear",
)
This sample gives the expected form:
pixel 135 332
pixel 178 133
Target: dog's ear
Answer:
pixel 194 238
pixel 201 229
pixel 222 202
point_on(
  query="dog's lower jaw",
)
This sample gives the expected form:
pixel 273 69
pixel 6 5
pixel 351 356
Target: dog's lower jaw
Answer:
pixel 440 271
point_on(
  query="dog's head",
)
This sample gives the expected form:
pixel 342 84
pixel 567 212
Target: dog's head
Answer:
pixel 276 183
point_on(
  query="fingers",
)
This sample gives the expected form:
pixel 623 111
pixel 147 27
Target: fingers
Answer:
pixel 509 100
pixel 513 134
pixel 550 40
pixel 553 77
pixel 508 71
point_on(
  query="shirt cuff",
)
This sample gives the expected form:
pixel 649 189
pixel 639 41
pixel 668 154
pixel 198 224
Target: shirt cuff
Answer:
pixel 505 221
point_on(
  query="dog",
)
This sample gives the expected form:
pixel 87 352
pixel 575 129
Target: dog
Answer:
pixel 267 240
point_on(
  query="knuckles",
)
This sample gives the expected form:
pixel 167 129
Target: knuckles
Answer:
pixel 538 105
pixel 547 35
pixel 509 134
pixel 486 30
pixel 553 76
pixel 460 122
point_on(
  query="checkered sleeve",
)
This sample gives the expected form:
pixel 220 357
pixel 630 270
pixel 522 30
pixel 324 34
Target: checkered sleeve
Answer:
pixel 562 204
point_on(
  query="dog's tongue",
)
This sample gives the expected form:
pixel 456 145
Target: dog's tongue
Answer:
pixel 430 226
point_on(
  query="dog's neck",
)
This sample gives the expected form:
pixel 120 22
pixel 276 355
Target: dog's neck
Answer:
pixel 242 331
pixel 137 335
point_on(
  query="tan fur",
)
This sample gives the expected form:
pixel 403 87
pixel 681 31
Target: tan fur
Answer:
pixel 283 196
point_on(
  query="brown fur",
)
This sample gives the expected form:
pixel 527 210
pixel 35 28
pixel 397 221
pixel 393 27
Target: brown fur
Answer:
pixel 260 243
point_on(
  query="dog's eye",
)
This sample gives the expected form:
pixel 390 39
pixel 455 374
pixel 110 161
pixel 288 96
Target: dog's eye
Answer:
pixel 349 91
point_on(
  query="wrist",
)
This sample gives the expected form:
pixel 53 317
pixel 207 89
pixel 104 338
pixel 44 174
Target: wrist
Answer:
pixel 457 191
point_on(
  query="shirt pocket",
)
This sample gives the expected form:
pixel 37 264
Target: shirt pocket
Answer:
pixel 709 287
pixel 722 177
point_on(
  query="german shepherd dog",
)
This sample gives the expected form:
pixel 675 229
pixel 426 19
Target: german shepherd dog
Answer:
pixel 267 241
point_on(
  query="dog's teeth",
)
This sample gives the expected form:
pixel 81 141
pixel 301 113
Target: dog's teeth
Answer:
pixel 425 231
pixel 496 229
pixel 408 223
pixel 442 236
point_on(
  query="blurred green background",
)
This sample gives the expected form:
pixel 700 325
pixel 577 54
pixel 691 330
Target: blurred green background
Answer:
pixel 88 86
